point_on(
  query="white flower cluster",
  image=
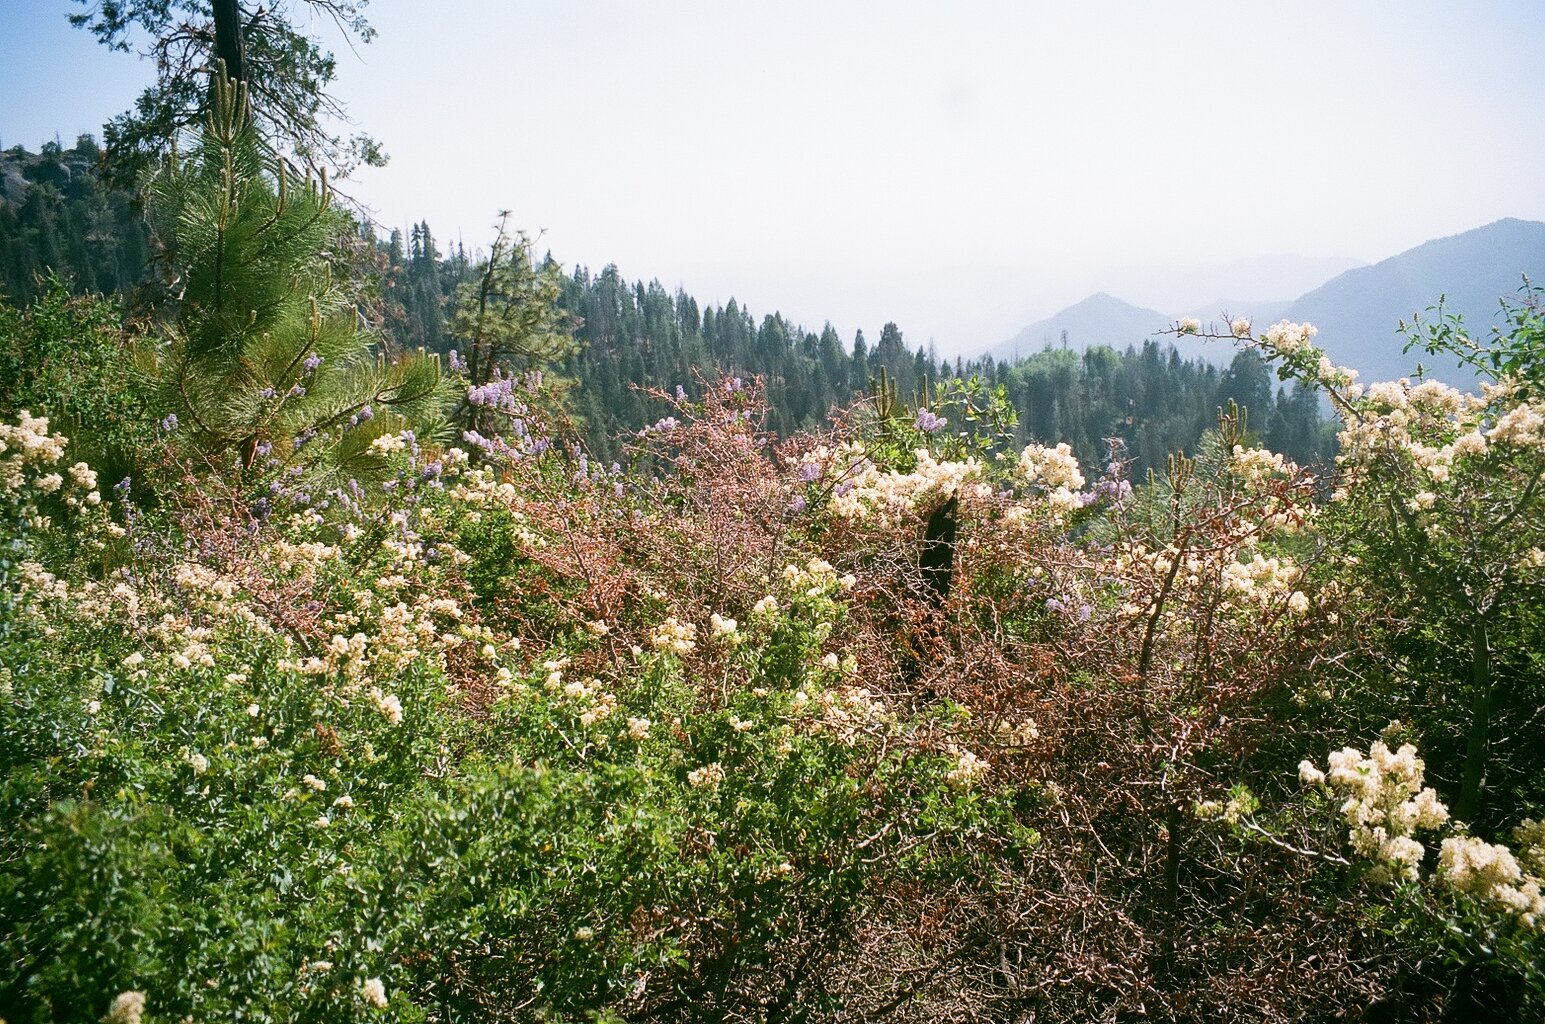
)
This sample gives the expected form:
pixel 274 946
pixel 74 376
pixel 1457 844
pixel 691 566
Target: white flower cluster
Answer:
pixel 707 777
pixel 26 446
pixel 1522 426
pixel 305 556
pixel 968 768
pixel 1384 803
pixel 205 588
pixel 1215 571
pixel 815 578
pixel 481 489
pixel 1336 376
pixel 1055 467
pixel 389 444
pixel 1057 470
pixel 866 490
pixel 1238 805
pixel 598 704
pixel 1438 426
pixel 373 991
pixel 387 704
pixel 674 637
pixel 847 711
pixel 1265 580
pixel 1257 465
pixel 1021 735
pixel 1288 338
pixel 39 582
pixel 126 1008
pixel 1491 872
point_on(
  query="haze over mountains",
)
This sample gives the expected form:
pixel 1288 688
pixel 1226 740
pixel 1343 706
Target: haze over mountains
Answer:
pixel 1358 312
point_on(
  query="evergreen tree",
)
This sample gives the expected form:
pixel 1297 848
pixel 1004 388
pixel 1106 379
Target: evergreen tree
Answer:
pixel 264 355
pixel 1247 382
pixel 507 320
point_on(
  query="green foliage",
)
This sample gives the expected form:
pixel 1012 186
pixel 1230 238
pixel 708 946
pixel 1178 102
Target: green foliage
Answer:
pixel 67 224
pixel 1515 351
pixel 241 837
pixel 629 336
pixel 71 360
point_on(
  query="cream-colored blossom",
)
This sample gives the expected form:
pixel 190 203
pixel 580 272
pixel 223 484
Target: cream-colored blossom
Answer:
pixel 387 704
pixel 1309 775
pixel 1289 337
pixel 373 991
pixel 127 1008
pixel 674 637
pixel 968 768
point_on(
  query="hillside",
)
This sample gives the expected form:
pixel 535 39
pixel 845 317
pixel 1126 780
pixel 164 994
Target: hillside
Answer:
pixel 1101 319
pixel 1359 311
pixel 54 213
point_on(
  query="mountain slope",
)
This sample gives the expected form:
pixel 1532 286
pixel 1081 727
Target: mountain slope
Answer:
pixel 1101 319
pixel 1358 312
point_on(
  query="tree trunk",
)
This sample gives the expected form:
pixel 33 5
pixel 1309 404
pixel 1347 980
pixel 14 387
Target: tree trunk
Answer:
pixel 1478 740
pixel 228 45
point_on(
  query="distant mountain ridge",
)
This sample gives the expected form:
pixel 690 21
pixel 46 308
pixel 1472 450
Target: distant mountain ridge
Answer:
pixel 1100 319
pixel 1358 312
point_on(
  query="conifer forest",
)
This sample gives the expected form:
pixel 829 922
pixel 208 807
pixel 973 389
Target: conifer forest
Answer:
pixel 395 629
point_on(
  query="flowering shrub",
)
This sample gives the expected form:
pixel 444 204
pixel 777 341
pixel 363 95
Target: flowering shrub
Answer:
pixel 320 737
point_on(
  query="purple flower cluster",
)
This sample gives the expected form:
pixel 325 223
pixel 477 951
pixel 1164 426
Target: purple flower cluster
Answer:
pixel 929 422
pixel 660 426
pixel 1059 606
pixel 498 394
pixel 1106 489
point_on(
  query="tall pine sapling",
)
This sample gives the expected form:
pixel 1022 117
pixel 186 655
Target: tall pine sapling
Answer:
pixel 265 357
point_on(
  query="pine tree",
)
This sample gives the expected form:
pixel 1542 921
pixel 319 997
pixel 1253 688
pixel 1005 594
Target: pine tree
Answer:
pixel 265 354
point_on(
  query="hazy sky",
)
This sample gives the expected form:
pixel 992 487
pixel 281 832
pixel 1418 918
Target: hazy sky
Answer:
pixel 961 168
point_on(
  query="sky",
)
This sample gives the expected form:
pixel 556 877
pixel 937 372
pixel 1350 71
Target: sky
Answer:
pixel 961 168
